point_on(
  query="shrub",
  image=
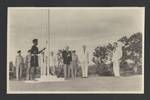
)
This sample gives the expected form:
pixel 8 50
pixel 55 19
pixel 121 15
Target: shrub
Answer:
pixel 131 51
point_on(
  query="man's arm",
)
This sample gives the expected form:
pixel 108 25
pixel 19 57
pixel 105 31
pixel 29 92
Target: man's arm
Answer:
pixel 78 60
pixel 22 60
pixel 70 56
pixel 26 59
pixel 63 54
pixel 41 51
pixel 16 61
pixel 87 57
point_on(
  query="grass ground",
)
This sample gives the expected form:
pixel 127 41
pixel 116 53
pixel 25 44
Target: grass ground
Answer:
pixel 92 83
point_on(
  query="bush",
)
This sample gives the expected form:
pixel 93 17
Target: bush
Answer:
pixel 131 51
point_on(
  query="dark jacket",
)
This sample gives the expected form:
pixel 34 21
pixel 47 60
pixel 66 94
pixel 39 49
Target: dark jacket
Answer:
pixel 34 57
pixel 67 57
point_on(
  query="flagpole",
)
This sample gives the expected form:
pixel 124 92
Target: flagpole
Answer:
pixel 48 31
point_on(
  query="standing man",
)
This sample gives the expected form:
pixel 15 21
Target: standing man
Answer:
pixel 19 65
pixel 34 58
pixel 117 54
pixel 67 58
pixel 27 62
pixel 84 62
pixel 74 64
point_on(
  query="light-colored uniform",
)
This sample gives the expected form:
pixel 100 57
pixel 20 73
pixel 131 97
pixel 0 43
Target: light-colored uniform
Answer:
pixel 19 65
pixel 28 66
pixel 84 63
pixel 117 54
pixel 74 65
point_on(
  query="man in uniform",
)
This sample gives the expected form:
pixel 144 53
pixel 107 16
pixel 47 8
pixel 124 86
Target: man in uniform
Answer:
pixel 84 62
pixel 74 64
pixel 19 65
pixel 117 54
pixel 27 62
pixel 34 58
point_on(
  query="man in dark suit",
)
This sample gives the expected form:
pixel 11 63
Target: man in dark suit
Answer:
pixel 67 58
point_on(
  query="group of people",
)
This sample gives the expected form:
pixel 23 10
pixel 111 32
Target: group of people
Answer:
pixel 66 60
pixel 71 62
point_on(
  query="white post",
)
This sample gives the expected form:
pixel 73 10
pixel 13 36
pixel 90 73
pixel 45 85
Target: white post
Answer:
pixel 43 55
pixel 48 46
pixel 47 59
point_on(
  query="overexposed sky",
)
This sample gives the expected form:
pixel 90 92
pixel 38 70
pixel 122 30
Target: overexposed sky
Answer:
pixel 71 26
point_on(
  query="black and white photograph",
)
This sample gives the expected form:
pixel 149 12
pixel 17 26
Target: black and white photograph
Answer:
pixel 57 50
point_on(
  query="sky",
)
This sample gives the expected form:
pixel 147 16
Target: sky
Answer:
pixel 70 26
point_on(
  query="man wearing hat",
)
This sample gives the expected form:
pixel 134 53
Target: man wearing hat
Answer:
pixel 27 62
pixel 67 58
pixel 19 65
pixel 117 54
pixel 74 64
pixel 34 58
pixel 84 61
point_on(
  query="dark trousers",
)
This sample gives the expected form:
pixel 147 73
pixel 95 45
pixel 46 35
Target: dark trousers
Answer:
pixel 33 73
pixel 66 71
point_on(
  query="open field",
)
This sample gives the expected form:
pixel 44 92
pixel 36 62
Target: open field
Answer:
pixel 100 84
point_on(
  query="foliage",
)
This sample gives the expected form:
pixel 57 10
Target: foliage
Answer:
pixel 132 50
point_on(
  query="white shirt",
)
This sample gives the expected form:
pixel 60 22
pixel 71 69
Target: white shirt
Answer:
pixel 19 60
pixel 117 54
pixel 84 56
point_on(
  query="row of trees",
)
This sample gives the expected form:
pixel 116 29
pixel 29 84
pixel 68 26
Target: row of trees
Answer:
pixel 131 61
